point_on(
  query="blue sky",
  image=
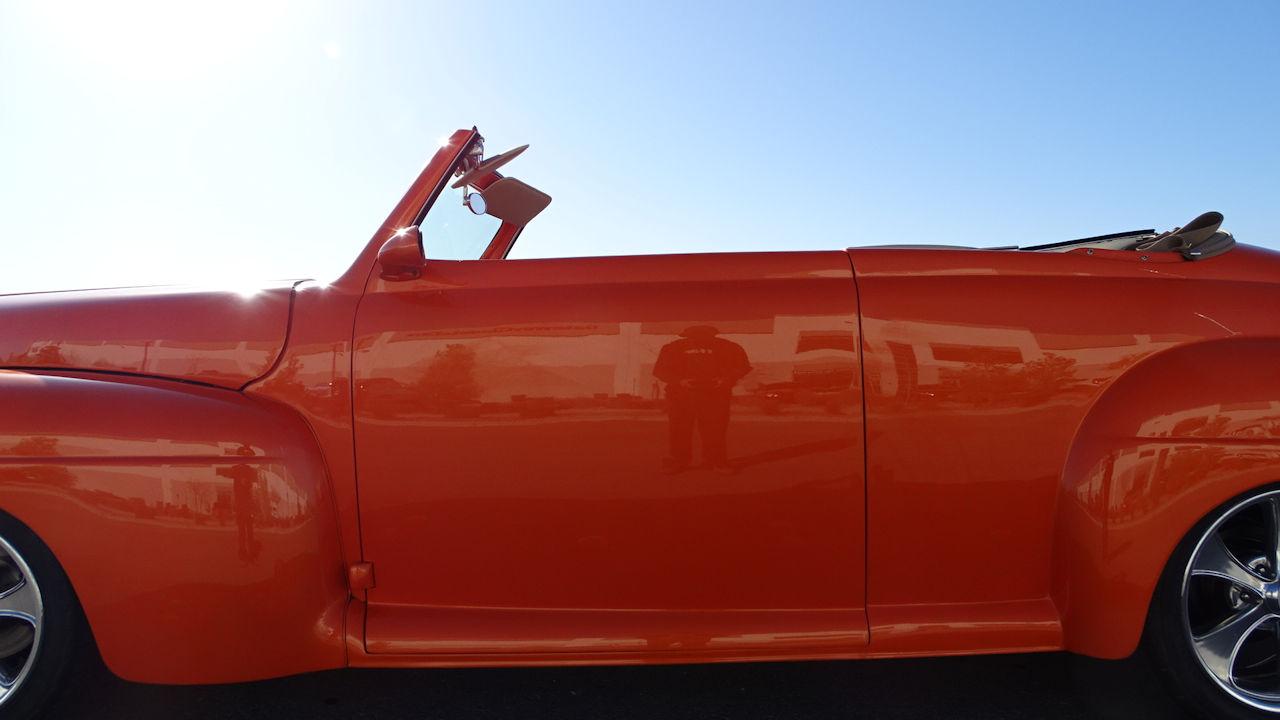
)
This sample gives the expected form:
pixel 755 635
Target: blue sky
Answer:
pixel 146 142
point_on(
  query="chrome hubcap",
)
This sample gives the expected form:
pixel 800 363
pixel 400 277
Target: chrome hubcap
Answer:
pixel 1231 602
pixel 21 620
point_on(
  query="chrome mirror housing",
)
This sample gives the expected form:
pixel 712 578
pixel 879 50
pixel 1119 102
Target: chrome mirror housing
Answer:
pixel 475 202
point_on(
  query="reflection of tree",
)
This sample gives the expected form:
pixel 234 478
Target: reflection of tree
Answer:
pixel 1047 376
pixel 39 448
pixel 1126 362
pixel 450 378
pixel 987 383
pixel 288 376
pixel 47 354
pixel 321 389
pixel 982 383
pixel 288 379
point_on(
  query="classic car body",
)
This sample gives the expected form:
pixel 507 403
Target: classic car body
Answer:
pixel 444 463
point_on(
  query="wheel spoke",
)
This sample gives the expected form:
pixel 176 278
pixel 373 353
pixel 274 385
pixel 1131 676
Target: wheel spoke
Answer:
pixel 1218 647
pixel 1213 559
pixel 22 602
pixel 21 618
pixel 1273 536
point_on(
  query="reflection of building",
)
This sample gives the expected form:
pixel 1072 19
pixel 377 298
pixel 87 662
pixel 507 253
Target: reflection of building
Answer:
pixel 183 488
pixel 195 491
pixel 616 359
pixel 926 355
pixel 160 357
pixel 1133 471
pixel 1259 419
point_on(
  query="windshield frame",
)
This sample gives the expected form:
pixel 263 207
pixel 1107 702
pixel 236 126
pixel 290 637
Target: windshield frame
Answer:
pixel 441 194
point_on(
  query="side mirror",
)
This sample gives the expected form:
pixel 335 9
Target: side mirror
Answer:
pixel 476 203
pixel 400 257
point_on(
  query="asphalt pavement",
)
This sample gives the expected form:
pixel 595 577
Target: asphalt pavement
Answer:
pixel 1044 686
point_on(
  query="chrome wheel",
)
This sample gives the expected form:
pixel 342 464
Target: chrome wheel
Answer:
pixel 21 620
pixel 1231 602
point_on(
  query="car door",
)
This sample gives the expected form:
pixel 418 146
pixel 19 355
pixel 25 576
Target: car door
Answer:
pixel 626 454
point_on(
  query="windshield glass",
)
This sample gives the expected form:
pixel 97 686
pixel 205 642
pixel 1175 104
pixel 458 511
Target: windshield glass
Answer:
pixel 450 231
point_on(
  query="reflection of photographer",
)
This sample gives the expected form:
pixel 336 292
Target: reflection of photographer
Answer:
pixel 700 370
pixel 244 478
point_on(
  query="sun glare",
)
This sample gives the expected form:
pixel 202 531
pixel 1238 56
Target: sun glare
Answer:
pixel 154 38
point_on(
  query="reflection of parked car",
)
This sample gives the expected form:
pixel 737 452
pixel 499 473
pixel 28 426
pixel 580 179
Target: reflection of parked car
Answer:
pixel 386 394
pixel 532 407
pixel 773 397
pixel 448 458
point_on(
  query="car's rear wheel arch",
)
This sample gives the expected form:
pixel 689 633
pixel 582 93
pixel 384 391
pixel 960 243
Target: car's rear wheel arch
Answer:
pixel 1142 471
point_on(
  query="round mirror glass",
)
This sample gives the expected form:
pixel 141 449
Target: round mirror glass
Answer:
pixel 475 201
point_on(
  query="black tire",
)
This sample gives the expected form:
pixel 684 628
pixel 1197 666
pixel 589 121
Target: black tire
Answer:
pixel 63 630
pixel 1165 641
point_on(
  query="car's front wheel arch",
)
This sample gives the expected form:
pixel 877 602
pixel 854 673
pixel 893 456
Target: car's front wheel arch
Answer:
pixel 43 632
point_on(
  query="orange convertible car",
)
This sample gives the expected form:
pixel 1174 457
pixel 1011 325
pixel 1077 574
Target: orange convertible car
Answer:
pixel 448 458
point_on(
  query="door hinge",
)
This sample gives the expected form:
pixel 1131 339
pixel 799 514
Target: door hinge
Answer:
pixel 360 576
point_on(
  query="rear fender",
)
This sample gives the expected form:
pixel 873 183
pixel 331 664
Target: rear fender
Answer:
pixel 1174 437
pixel 196 525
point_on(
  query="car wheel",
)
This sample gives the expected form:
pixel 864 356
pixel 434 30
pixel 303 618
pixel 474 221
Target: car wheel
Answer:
pixel 40 623
pixel 1214 625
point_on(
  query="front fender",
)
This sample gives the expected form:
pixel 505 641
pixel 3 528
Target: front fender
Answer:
pixel 1174 437
pixel 196 525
